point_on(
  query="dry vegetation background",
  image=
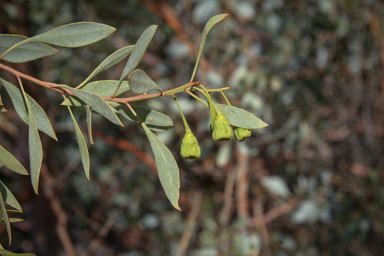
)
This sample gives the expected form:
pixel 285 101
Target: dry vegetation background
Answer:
pixel 311 183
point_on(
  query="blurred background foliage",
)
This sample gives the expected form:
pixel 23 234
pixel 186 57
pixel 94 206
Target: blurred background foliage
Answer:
pixel 311 183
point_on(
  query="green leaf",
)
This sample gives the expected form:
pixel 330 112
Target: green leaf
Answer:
pixel 9 161
pixel 8 253
pixel 75 34
pixel 73 101
pixel 42 121
pixel 9 198
pixel 103 88
pixel 138 51
pixel 140 82
pixel 110 61
pixel 166 166
pixel 241 118
pixel 89 124
pixel 155 121
pixel 35 147
pixel 5 216
pixel 210 23
pixel 82 146
pixel 25 52
pixel 96 103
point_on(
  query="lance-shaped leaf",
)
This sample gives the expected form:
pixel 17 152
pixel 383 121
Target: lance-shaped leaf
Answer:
pixel 211 22
pixel 9 198
pixel 154 120
pixel 241 118
pixel 110 61
pixel 138 51
pixel 42 121
pixel 5 216
pixel 166 167
pixel 8 253
pixel 89 124
pixel 35 147
pixel 82 146
pixel 103 88
pixel 9 161
pixel 140 82
pixel 25 52
pixel 74 34
pixel 96 103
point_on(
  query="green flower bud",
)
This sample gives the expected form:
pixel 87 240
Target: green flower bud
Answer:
pixel 222 130
pixel 190 147
pixel 241 133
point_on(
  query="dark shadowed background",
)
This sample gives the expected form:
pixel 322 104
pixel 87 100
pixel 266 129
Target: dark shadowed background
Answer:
pixel 311 183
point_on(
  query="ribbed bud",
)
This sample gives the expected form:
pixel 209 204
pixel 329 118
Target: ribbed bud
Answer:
pixel 222 130
pixel 190 148
pixel 241 133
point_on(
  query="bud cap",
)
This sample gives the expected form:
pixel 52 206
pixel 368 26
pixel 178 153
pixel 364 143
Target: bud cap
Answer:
pixel 222 130
pixel 190 148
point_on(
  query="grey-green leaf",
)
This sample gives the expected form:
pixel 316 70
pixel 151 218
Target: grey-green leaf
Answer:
pixel 241 118
pixel 210 23
pixel 110 61
pixel 5 215
pixel 9 161
pixel 82 146
pixel 166 166
pixel 35 148
pixel 138 51
pixel 103 88
pixel 9 198
pixel 155 121
pixel 42 121
pixel 140 82
pixel 89 123
pixel 25 52
pixel 96 103
pixel 8 253
pixel 75 34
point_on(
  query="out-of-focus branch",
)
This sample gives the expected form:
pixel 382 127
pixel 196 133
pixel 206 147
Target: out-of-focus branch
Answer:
pixel 186 237
pixel 242 184
pixel 166 12
pixel 274 213
pixel 61 226
pixel 127 146
pixel 102 233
